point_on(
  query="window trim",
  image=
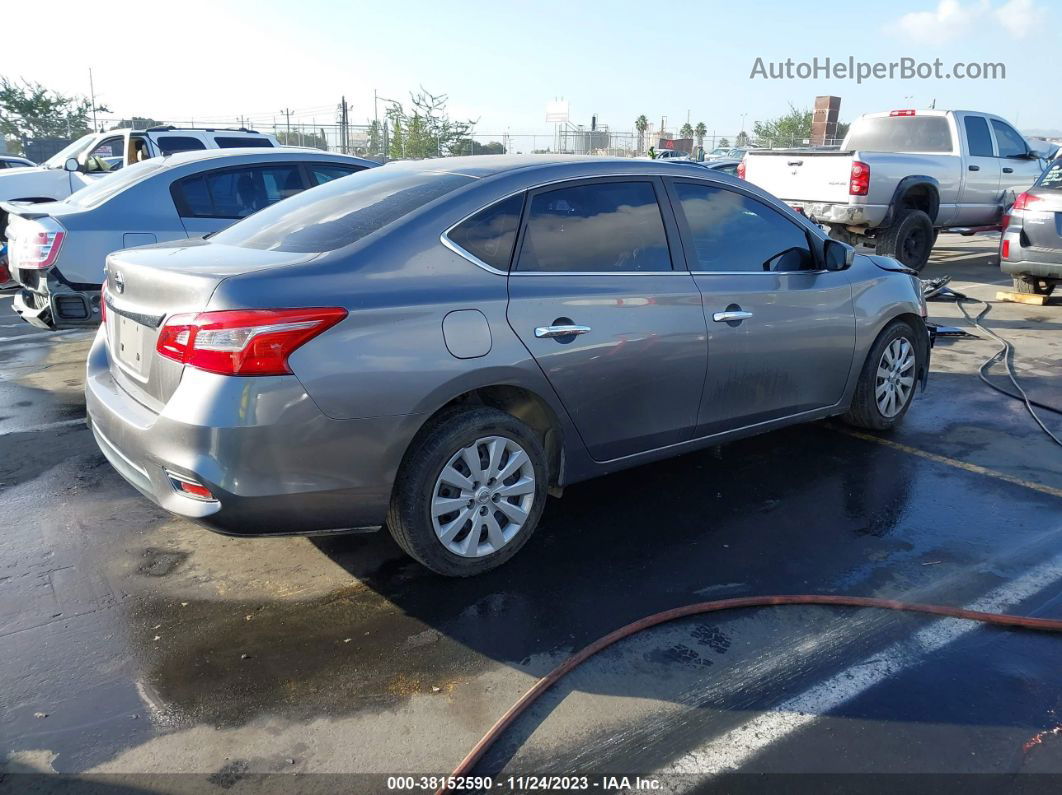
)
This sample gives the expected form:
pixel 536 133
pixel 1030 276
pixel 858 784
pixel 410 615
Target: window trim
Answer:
pixel 815 243
pixel 181 206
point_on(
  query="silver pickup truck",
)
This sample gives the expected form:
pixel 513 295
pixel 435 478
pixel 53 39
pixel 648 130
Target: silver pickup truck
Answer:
pixel 903 175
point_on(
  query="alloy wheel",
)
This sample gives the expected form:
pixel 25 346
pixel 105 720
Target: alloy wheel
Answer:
pixel 895 378
pixel 483 497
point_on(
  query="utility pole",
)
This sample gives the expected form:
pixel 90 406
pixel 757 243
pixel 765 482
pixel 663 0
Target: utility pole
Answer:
pixel 287 134
pixel 92 98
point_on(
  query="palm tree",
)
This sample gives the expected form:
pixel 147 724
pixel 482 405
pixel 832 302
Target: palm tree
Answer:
pixel 686 131
pixel 700 131
pixel 641 124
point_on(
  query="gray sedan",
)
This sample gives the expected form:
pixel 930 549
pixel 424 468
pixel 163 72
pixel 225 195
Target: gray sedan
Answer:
pixel 57 249
pixel 1030 249
pixel 438 345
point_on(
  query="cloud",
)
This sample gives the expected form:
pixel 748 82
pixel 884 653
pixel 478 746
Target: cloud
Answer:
pixel 953 19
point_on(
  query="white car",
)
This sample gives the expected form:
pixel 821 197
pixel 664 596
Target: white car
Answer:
pixel 14 161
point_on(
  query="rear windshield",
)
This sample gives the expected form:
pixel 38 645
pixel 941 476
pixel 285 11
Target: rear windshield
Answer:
pixel 111 185
pixel 900 134
pixel 1052 178
pixel 340 212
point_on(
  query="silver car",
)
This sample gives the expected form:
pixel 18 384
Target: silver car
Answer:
pixel 57 249
pixel 1030 249
pixel 438 345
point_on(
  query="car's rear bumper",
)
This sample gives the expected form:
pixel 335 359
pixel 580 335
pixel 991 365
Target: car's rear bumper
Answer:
pixel 47 302
pixel 1045 270
pixel 273 462
pixel 845 214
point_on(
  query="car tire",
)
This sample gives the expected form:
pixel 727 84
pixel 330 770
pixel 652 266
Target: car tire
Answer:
pixel 880 377
pixel 489 534
pixel 1030 285
pixel 909 239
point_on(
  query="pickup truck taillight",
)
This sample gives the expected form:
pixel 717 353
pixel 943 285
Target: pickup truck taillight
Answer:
pixel 243 341
pixel 859 181
pixel 741 169
pixel 36 245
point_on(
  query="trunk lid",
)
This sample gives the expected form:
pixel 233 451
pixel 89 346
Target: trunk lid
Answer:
pixel 801 176
pixel 145 286
pixel 1041 221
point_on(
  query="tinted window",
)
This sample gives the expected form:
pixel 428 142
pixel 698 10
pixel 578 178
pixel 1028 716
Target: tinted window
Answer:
pixel 901 134
pixel 604 227
pixel 343 211
pixel 230 142
pixel 319 175
pixel 977 137
pixel 729 168
pixel 1052 177
pixel 101 190
pixel 489 235
pixel 169 144
pixel 732 232
pixel 1010 143
pixel 236 192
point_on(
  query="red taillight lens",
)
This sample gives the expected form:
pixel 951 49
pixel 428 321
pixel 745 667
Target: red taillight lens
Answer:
pixel 741 169
pixel 859 181
pixel 1005 250
pixel 37 249
pixel 1024 200
pixel 243 341
pixel 907 112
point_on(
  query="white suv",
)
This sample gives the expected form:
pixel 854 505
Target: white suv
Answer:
pixel 97 154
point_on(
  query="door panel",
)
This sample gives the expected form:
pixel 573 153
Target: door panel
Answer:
pixel 980 196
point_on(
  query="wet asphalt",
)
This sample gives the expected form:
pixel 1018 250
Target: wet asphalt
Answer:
pixel 142 651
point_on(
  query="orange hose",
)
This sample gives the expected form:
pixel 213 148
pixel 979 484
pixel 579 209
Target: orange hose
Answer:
pixel 547 681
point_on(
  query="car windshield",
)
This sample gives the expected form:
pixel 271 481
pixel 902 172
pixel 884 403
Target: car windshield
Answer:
pixel 340 212
pixel 58 160
pixel 1052 177
pixel 103 189
pixel 900 134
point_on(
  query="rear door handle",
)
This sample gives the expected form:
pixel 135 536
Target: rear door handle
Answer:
pixel 975 168
pixel 730 315
pixel 795 163
pixel 1008 170
pixel 548 332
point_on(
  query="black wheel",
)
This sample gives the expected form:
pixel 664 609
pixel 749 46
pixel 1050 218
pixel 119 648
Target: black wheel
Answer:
pixel 1030 285
pixel 470 492
pixel 887 382
pixel 910 239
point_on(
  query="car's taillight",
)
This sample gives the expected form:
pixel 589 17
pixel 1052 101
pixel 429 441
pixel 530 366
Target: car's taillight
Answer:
pixel 741 169
pixel 907 112
pixel 1005 250
pixel 243 341
pixel 1023 200
pixel 859 181
pixel 37 249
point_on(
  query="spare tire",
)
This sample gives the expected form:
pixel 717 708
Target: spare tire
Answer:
pixel 909 239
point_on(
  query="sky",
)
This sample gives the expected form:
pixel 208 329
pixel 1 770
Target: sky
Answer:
pixel 500 63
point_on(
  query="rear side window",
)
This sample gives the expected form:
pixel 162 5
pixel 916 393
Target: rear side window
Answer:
pixel 341 212
pixel 901 134
pixel 1010 143
pixel 489 235
pixel 171 144
pixel 735 233
pixel 977 137
pixel 235 192
pixel 607 227
pixel 1052 177
pixel 232 142
pixel 319 175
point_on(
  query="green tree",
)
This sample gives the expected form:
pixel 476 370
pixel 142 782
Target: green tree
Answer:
pixel 427 130
pixel 375 136
pixel 724 142
pixel 312 139
pixel 641 124
pixel 29 110
pixel 139 123
pixel 742 138
pixel 842 129
pixel 686 131
pixel 700 131
pixel 787 130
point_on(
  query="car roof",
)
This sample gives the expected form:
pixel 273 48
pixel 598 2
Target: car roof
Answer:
pixel 264 152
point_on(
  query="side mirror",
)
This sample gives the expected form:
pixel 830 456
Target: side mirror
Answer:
pixel 839 256
pixel 71 164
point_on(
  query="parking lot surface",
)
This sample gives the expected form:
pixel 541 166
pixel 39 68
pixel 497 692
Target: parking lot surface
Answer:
pixel 134 644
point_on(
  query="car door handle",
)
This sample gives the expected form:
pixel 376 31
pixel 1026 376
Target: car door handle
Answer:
pixel 730 315
pixel 1008 170
pixel 548 332
pixel 795 163
pixel 975 168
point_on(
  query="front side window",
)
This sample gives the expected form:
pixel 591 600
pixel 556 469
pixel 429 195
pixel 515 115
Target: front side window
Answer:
pixel 977 136
pixel 489 235
pixel 107 155
pixel 607 227
pixel 169 144
pixel 235 192
pixel 735 233
pixel 1010 143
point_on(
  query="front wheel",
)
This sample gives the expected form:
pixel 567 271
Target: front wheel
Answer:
pixel 887 383
pixel 470 492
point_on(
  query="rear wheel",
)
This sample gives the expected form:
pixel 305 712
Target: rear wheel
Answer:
pixel 470 492
pixel 1030 285
pixel 887 383
pixel 910 239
